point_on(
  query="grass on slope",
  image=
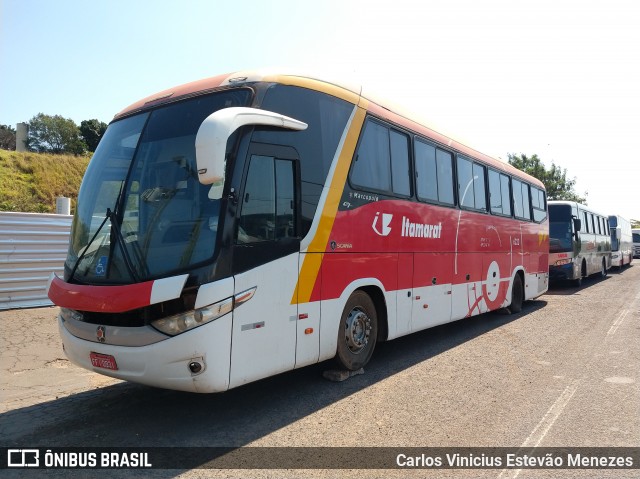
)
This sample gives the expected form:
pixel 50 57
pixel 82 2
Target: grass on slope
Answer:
pixel 31 182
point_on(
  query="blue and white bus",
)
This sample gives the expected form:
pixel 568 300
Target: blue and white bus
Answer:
pixel 579 242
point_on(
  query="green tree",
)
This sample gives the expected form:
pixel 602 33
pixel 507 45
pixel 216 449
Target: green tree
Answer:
pixel 7 137
pixel 54 134
pixel 91 132
pixel 555 180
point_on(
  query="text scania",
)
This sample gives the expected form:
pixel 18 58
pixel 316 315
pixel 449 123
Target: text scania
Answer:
pixel 420 230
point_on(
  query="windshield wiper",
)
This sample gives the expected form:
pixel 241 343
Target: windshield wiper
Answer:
pixel 120 240
pixel 84 252
pixel 110 215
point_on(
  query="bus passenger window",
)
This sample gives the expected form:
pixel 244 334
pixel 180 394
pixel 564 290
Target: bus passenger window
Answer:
pixel 372 161
pixel 517 199
pixel 506 195
pixel 479 187
pixel 495 195
pixel 537 203
pixel 526 210
pixel 444 163
pixel 465 183
pixel 400 179
pixel 586 223
pixel 427 178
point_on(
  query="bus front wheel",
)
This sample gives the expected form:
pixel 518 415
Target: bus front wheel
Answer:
pixel 583 274
pixel 358 332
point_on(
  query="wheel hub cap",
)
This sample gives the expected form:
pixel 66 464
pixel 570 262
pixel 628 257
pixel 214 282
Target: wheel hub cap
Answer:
pixel 357 330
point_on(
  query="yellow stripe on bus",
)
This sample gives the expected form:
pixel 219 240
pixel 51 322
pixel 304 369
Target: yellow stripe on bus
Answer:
pixel 312 262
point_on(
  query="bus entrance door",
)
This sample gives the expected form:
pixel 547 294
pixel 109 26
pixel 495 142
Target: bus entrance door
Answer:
pixel 265 263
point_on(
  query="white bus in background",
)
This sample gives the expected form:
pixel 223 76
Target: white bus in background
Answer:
pixel 621 241
pixel 579 242
pixel 635 233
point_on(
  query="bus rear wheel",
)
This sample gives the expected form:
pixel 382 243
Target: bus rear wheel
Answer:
pixel 358 332
pixel 517 295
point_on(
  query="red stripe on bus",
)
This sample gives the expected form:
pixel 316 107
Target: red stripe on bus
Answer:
pixel 100 299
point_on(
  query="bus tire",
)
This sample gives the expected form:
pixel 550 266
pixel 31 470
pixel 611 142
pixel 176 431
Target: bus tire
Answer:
pixel 603 271
pixel 583 274
pixel 358 332
pixel 517 295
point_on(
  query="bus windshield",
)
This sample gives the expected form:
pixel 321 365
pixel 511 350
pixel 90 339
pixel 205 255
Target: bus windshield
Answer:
pixel 142 212
pixel 560 234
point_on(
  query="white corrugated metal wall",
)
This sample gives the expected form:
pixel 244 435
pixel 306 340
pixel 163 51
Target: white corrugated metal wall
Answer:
pixel 32 246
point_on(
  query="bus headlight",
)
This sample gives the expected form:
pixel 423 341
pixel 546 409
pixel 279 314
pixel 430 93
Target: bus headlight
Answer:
pixel 561 262
pixel 185 321
pixel 71 314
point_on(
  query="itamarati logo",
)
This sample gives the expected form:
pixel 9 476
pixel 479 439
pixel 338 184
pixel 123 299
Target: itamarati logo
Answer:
pixel 382 227
pixel 386 220
pixel 420 230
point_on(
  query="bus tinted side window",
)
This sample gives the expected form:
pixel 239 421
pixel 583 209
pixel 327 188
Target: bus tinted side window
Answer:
pixel 471 184
pixel 427 177
pixel 400 178
pixel 526 209
pixel 268 204
pixel 495 195
pixel 479 188
pixel 499 195
pixel 538 204
pixel 585 227
pixel 371 165
pixel 517 199
pixel 465 183
pixel 434 173
pixel 444 162
pixel 506 195
pixel 382 160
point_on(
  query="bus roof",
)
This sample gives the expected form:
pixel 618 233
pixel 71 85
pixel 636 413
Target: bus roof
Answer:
pixel 351 92
pixel 579 205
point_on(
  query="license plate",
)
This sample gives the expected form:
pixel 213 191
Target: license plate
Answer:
pixel 104 361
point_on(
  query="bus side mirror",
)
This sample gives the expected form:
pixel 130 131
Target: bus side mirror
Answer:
pixel 577 224
pixel 616 232
pixel 215 130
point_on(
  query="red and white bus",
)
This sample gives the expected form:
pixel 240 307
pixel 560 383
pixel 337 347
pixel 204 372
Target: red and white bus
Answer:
pixel 249 224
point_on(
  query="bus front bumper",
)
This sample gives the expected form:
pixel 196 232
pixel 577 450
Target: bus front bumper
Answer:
pixel 561 273
pixel 616 259
pixel 164 364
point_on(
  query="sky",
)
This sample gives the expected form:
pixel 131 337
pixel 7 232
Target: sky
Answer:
pixel 560 79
